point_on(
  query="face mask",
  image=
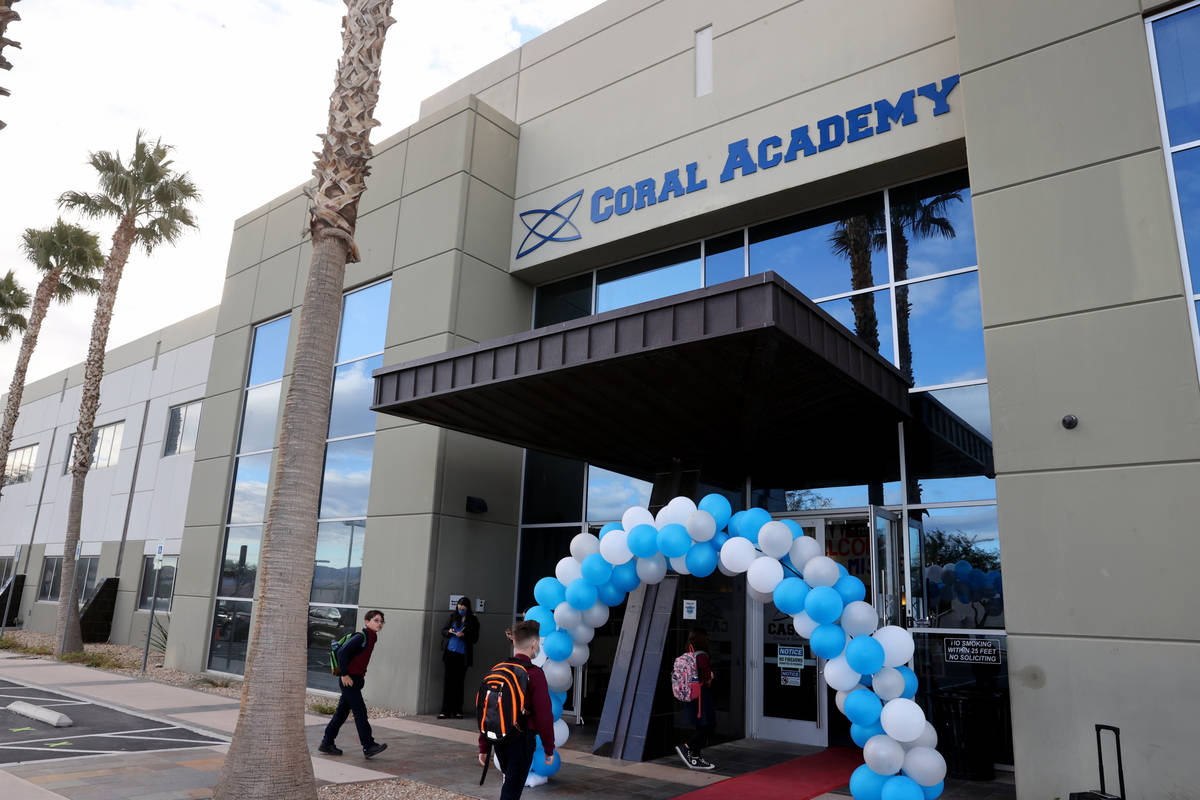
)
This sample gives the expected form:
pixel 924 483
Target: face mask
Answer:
pixel 462 612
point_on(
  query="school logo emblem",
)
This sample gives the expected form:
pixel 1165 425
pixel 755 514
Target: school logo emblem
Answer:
pixel 550 225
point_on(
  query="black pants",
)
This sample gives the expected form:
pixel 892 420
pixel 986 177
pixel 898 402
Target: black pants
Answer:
pixel 452 689
pixel 351 701
pixel 701 736
pixel 515 756
pixel 701 714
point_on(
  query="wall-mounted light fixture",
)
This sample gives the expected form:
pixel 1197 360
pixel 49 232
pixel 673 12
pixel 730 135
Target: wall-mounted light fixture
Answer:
pixel 476 505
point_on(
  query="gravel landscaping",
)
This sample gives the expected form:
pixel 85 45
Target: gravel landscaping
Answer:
pixel 390 789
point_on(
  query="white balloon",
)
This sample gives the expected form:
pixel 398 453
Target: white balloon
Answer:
pixel 634 516
pixel 684 508
pixel 724 570
pixel 925 766
pixel 679 564
pixel 858 618
pixel 804 624
pixel 933 573
pixel 902 719
pixel 541 657
pixel 928 738
pixel 888 683
pixel 738 554
pixel 596 615
pixel 821 571
pixel 898 645
pixel 764 574
pixel 566 616
pixel 840 675
pixel 652 570
pixel 558 675
pixel 840 700
pixel 614 547
pixel 803 550
pixel 583 545
pixel 701 526
pixel 775 539
pixel 883 755
pixel 561 732
pixel 579 655
pixel 582 633
pixel 567 570
pixel 761 597
pixel 948 573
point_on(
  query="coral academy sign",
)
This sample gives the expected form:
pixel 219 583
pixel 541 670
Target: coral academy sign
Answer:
pixel 743 157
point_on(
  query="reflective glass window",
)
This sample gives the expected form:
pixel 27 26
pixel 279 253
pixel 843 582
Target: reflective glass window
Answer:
pixel 610 493
pixel 959 559
pixel 6 569
pixel 338 564
pixel 970 403
pixel 20 464
pixel 166 583
pixel 239 566
pixel 1177 44
pixel 364 322
pixel 347 480
pixel 541 549
pixel 86 569
pixel 326 625
pixel 563 300
pixel 183 422
pixel 353 391
pixel 724 258
pixel 51 576
pixel 933 229
pixel 553 488
pixel 230 637
pixel 869 316
pixel 259 418
pixel 249 503
pixel 649 278
pixel 270 351
pixel 944 324
pixel 106 446
pixel 779 500
pixel 825 252
pixel 1187 186
pixel 953 490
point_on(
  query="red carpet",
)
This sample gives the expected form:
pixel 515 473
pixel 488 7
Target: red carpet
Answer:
pixel 799 779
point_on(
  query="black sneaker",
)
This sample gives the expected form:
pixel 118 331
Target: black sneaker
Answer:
pixel 330 749
pixel 683 754
pixel 699 762
pixel 376 749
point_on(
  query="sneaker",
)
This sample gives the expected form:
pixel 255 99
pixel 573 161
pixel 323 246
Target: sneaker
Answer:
pixel 699 762
pixel 683 754
pixel 443 716
pixel 374 749
pixel 458 716
pixel 330 749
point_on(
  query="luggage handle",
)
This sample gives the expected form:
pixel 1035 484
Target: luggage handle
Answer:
pixel 1100 757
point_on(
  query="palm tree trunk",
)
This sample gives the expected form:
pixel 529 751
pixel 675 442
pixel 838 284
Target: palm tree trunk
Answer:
pixel 67 636
pixel 903 306
pixel 41 302
pixel 866 323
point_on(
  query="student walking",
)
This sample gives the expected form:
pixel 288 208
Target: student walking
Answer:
pixel 515 753
pixel 459 635
pixel 354 655
pixel 699 710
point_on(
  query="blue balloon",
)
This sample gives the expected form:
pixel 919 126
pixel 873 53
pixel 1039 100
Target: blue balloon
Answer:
pixel 978 579
pixel 794 527
pixel 643 540
pixel 850 588
pixel 543 616
pixel 863 707
pixel 899 787
pixel 735 523
pixel 595 569
pixel 581 595
pixel 823 604
pixel 790 594
pixel 719 538
pixel 558 646
pixel 556 707
pixel 866 784
pixel 910 682
pixel 612 526
pixel 935 791
pixel 861 733
pixel 718 506
pixel 962 569
pixel 864 655
pixel 828 640
pixel 755 518
pixel 549 592
pixel 673 540
pixel 842 571
pixel 539 760
pixel 625 576
pixel 561 697
pixel 610 594
pixel 865 680
pixel 701 559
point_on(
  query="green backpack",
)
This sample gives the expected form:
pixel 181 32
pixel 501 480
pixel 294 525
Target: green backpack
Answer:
pixel 335 646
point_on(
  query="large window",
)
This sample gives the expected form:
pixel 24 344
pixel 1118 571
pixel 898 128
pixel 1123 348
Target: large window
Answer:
pixel 106 446
pixel 19 468
pixel 51 578
pixel 182 423
pixel 6 569
pixel 166 583
pixel 1175 49
pixel 86 569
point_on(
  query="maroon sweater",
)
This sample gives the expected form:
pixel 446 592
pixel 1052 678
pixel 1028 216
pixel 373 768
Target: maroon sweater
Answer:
pixel 356 652
pixel 538 694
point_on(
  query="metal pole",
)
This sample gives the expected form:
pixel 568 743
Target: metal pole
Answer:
pixel 150 627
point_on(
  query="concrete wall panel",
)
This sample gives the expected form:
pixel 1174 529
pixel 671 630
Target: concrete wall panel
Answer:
pixel 404 477
pixel 431 220
pixel 276 285
pixel 422 299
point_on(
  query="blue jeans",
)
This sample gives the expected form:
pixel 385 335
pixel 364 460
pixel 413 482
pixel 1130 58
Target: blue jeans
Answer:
pixel 351 701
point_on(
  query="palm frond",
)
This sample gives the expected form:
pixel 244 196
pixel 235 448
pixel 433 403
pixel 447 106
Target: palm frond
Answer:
pixel 13 302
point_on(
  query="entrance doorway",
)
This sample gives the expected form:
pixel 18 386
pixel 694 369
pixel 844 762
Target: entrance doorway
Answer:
pixel 786 696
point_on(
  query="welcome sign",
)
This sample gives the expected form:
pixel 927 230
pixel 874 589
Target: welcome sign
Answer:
pixel 743 157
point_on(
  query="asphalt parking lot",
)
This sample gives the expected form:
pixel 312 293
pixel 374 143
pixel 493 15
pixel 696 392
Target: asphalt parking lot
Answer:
pixel 97 729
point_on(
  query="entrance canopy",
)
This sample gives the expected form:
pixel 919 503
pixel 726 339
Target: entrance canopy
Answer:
pixel 743 379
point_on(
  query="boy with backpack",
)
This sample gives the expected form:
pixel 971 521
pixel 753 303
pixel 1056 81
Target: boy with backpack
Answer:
pixel 691 682
pixel 512 706
pixel 349 660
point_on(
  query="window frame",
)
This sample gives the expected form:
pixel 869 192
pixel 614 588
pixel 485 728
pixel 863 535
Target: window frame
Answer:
pixel 182 428
pixel 148 574
pixel 97 436
pixel 26 470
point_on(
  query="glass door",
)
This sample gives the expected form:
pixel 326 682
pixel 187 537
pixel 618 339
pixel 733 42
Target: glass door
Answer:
pixel 786 698
pixel 887 568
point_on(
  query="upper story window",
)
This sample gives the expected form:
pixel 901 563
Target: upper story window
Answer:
pixel 182 423
pixel 106 446
pixel 20 465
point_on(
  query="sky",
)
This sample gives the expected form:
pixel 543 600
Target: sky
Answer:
pixel 240 89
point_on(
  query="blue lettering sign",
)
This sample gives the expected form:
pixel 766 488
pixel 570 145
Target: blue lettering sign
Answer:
pixel 859 125
pixel 624 202
pixel 938 96
pixel 902 112
pixel 671 186
pixel 645 193
pixel 739 158
pixel 800 142
pixel 693 184
pixel 765 160
pixel 832 131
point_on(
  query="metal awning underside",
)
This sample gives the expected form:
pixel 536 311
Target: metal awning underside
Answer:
pixel 744 379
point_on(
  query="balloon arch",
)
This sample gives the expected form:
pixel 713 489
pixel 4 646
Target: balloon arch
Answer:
pixel 864 663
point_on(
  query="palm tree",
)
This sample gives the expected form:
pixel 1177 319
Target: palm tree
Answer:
pixel 13 300
pixel 854 238
pixel 7 15
pixel 269 754
pixel 68 258
pixel 149 201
